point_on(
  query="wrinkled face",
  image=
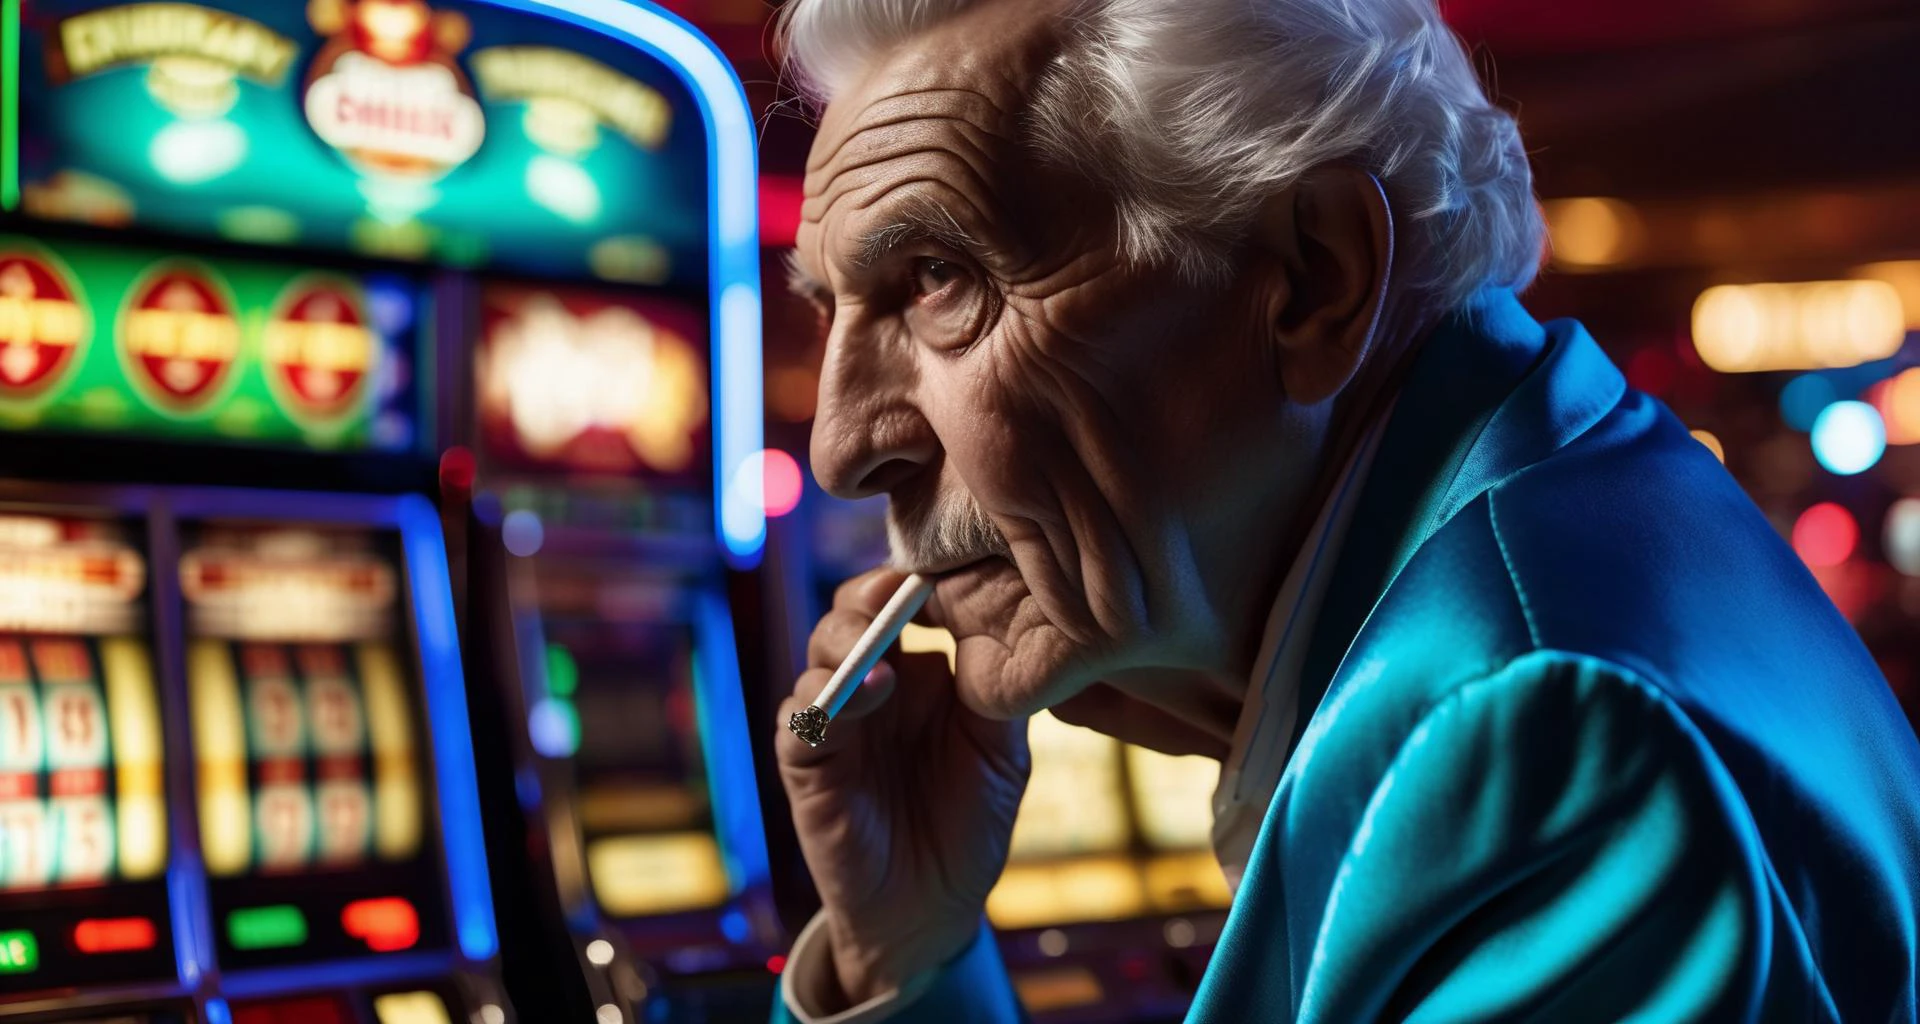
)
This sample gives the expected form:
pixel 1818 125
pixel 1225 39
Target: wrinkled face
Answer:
pixel 1065 437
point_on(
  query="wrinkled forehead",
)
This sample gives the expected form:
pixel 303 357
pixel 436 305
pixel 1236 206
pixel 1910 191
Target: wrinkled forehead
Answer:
pixel 943 105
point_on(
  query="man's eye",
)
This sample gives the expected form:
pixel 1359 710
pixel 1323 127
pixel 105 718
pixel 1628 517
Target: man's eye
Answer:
pixel 931 275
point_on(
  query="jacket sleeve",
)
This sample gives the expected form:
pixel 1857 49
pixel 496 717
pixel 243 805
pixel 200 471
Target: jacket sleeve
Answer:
pixel 1556 842
pixel 972 987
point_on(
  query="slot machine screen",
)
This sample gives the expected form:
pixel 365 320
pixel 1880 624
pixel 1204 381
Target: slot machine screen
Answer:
pixel 646 815
pixel 1070 858
pixel 586 384
pixel 83 816
pixel 307 727
pixel 1172 800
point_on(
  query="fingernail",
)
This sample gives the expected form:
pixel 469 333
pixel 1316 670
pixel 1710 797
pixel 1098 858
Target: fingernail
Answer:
pixel 873 675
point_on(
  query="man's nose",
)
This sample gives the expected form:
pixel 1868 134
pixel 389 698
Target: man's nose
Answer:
pixel 868 435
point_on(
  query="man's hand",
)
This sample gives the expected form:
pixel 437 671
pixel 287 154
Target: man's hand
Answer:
pixel 905 812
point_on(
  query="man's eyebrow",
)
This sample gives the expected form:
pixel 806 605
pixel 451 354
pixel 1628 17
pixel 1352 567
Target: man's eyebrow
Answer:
pixel 915 222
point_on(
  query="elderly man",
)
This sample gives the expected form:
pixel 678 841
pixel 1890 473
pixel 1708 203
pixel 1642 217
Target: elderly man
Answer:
pixel 1181 335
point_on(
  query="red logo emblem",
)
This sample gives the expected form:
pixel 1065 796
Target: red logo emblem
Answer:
pixel 319 349
pixel 41 325
pixel 180 335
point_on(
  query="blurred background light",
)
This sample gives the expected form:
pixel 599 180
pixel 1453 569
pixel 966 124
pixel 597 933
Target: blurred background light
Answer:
pixel 1901 539
pixel 1712 443
pixel 1825 535
pixel 781 480
pixel 522 532
pixel 1897 400
pixel 1805 397
pixel 553 726
pixel 1591 231
pixel 1904 276
pixel 771 479
pixel 1848 437
pixel 191 152
pixel 563 187
pixel 1742 328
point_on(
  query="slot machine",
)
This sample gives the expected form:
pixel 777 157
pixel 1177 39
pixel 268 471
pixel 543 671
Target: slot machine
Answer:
pixel 235 240
pixel 606 499
pixel 85 831
pixel 238 774
pixel 601 574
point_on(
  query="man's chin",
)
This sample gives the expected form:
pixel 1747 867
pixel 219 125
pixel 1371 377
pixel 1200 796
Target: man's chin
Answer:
pixel 1010 662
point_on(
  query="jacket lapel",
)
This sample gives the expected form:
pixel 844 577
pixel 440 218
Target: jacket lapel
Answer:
pixel 1492 392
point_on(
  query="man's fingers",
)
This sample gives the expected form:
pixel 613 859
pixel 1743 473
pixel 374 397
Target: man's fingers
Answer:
pixel 870 694
pixel 867 698
pixel 834 636
pixel 868 592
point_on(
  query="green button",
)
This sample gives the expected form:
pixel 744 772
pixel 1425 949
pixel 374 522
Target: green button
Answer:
pixel 19 953
pixel 563 673
pixel 274 927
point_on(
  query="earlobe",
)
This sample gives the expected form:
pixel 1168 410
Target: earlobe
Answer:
pixel 1331 234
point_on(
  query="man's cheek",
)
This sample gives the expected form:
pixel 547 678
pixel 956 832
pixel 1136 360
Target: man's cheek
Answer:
pixel 993 440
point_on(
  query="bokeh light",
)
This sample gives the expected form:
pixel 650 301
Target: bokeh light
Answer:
pixel 1898 402
pixel 1591 231
pixel 522 532
pixel 1743 328
pixel 1848 437
pixel 553 726
pixel 1901 539
pixel 782 481
pixel 1904 276
pixel 1712 443
pixel 1825 535
pixel 1804 397
pixel 770 478
pixel 457 467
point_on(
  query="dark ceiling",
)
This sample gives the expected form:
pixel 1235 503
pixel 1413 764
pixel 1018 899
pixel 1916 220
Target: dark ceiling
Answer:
pixel 1745 103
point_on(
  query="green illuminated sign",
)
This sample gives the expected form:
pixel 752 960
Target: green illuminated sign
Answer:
pixel 112 339
pixel 563 675
pixel 273 927
pixel 447 130
pixel 19 953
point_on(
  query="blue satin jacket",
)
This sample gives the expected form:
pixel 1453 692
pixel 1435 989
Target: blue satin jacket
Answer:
pixel 1581 740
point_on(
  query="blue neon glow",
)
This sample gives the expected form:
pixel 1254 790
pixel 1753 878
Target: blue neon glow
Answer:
pixel 733 924
pixel 720 705
pixel 553 727
pixel 184 890
pixel 217 1012
pixel 446 690
pixel 358 971
pixel 1804 398
pixel 733 237
pixel 1849 437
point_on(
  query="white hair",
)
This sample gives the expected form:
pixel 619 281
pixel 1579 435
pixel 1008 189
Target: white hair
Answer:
pixel 1192 112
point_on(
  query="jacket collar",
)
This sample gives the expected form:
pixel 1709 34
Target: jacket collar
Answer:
pixel 1491 392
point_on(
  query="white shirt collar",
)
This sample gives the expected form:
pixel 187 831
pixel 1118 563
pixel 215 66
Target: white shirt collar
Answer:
pixel 1263 735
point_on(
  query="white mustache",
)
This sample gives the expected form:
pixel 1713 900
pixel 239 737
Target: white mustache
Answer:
pixel 955 533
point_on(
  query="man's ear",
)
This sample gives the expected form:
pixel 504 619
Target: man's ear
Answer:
pixel 1330 238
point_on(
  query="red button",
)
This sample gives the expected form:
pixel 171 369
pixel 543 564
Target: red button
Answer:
pixel 114 935
pixel 384 924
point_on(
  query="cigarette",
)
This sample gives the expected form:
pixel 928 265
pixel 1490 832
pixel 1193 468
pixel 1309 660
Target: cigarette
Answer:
pixel 810 723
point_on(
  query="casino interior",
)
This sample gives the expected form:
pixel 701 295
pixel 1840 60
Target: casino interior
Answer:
pixel 405 529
